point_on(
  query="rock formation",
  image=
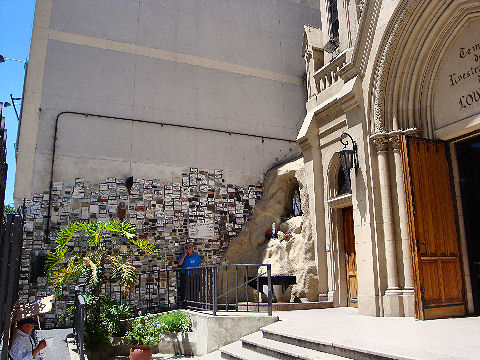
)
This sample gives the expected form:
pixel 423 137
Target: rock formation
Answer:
pixel 295 256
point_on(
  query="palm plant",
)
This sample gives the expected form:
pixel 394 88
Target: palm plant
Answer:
pixel 95 262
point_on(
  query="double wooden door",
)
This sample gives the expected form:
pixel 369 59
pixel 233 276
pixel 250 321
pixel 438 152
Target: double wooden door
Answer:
pixel 434 246
pixel 350 257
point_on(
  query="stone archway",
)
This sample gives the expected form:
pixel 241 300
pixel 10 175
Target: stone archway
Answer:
pixel 408 61
pixel 404 88
pixel 337 202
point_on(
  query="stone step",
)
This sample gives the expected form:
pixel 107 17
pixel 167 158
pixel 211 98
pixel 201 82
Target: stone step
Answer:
pixel 235 351
pixel 215 355
pixel 341 350
pixel 281 350
pixel 263 307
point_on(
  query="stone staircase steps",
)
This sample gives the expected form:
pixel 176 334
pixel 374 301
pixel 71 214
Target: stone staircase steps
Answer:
pixel 326 347
pixel 274 345
pixel 282 350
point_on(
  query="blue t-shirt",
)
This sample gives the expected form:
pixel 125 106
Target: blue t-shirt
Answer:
pixel 190 261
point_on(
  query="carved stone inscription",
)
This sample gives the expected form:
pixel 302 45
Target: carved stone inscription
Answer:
pixel 457 89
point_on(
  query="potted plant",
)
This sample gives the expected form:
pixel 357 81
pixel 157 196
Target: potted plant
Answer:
pixel 142 335
pixel 148 331
pixel 97 263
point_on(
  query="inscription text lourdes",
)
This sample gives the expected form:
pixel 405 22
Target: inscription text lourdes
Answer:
pixel 471 54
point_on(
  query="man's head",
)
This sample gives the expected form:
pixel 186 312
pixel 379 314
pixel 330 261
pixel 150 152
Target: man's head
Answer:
pixel 26 325
pixel 189 248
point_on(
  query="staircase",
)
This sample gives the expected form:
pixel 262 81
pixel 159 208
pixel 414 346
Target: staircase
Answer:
pixel 269 345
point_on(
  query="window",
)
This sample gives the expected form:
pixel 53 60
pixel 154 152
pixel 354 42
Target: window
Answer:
pixel 333 18
pixel 344 185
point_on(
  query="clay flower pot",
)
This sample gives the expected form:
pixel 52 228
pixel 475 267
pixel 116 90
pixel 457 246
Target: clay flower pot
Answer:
pixel 140 352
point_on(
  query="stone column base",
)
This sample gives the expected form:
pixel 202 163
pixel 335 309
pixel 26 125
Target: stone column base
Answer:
pixel 408 302
pixel 324 297
pixel 393 303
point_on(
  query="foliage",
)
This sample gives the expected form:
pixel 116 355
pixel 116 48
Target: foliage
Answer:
pixel 114 315
pixel 96 337
pixel 10 209
pixel 95 263
pixel 150 330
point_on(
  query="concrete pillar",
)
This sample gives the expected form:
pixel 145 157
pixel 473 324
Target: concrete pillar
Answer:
pixel 408 292
pixel 314 170
pixel 393 305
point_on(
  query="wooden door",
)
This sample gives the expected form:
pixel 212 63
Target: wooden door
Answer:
pixel 350 257
pixel 434 248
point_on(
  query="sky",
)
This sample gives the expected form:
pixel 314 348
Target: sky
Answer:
pixel 16 20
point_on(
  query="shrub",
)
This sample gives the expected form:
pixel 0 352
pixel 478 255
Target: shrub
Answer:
pixel 150 330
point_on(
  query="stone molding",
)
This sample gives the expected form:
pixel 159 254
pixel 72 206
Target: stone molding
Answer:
pixel 384 140
pixel 357 59
pixel 340 202
pixel 382 65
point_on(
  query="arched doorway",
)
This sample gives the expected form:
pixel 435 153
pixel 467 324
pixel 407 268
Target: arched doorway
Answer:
pixel 428 82
pixel 342 236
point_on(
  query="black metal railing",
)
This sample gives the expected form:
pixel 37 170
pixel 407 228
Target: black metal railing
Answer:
pixel 11 241
pixel 237 287
pixel 79 322
pixel 224 288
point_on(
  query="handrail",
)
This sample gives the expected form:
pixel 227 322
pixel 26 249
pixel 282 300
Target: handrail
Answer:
pixel 79 322
pixel 206 288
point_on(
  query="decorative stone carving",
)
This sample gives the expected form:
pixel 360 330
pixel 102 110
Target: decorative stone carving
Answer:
pixel 383 64
pixel 395 141
pixel 381 142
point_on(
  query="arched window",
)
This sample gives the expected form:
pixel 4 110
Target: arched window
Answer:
pixel 333 18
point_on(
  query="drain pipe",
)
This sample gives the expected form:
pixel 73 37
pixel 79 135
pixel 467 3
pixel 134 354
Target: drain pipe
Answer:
pixel 47 230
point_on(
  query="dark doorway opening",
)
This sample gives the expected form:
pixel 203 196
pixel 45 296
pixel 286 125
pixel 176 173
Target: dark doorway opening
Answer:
pixel 468 158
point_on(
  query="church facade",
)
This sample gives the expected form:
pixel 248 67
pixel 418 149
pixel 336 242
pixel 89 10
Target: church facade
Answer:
pixel 391 144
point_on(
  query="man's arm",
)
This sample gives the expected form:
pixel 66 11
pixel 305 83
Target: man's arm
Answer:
pixel 41 345
pixel 182 259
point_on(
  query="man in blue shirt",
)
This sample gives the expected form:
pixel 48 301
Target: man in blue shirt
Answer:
pixel 23 347
pixel 190 282
pixel 189 258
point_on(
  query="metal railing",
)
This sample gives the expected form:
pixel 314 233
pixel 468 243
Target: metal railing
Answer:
pixel 10 258
pixel 79 322
pixel 237 287
pixel 224 287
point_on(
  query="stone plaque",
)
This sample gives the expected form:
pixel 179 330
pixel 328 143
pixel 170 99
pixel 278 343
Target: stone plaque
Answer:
pixel 457 88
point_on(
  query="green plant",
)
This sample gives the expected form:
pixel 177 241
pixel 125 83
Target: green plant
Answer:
pixel 150 330
pixel 10 209
pixel 114 315
pixel 96 263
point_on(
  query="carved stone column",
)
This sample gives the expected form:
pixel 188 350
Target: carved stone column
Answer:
pixel 408 292
pixel 402 213
pixel 391 306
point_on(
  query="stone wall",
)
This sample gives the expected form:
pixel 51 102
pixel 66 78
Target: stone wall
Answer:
pixel 198 206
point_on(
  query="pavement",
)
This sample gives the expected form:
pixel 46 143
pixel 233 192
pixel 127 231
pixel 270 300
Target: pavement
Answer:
pixel 58 349
pixel 452 338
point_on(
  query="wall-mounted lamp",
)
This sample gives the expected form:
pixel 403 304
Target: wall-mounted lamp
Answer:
pixel 330 46
pixel 348 156
pixel 3 59
pixel 7 104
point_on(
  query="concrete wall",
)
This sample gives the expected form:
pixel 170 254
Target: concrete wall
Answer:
pixel 229 65
pixel 212 332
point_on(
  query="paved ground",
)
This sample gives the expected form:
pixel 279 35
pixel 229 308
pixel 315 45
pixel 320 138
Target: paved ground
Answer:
pixel 456 338
pixel 59 348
